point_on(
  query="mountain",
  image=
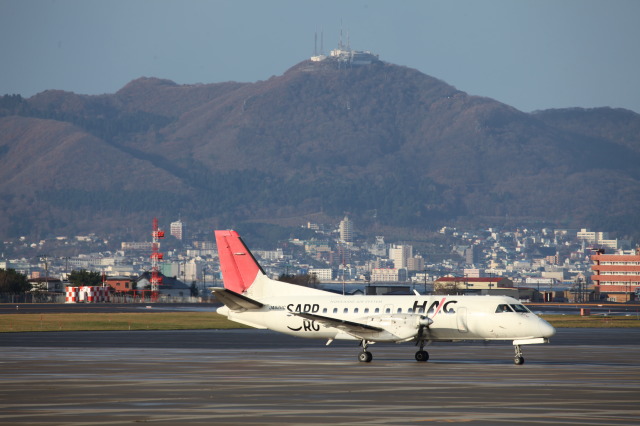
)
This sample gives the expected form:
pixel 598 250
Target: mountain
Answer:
pixel 388 144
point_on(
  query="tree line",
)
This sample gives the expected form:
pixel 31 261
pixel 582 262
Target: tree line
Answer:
pixel 12 281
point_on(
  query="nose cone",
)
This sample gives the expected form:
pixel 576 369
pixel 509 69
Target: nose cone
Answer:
pixel 546 329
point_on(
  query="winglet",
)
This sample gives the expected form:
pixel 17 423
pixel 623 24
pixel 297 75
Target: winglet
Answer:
pixel 239 267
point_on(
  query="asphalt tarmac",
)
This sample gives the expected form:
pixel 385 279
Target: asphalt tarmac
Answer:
pixel 583 377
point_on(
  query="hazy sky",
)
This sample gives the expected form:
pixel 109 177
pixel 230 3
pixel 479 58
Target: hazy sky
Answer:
pixel 532 54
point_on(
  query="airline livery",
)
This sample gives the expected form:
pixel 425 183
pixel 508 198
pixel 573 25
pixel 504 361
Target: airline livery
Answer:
pixel 252 298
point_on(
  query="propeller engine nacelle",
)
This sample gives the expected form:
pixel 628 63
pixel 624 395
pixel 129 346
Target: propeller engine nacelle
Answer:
pixel 424 321
pixel 399 327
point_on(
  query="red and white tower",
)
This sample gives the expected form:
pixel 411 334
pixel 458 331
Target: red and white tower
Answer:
pixel 156 257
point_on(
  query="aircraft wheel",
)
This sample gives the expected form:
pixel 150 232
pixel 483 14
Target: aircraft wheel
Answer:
pixel 365 356
pixel 518 360
pixel 422 356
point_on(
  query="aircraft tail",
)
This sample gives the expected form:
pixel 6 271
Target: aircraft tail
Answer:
pixel 239 268
pixel 242 274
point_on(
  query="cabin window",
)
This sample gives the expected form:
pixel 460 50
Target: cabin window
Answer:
pixel 355 311
pixel 421 310
pixel 520 308
pixel 366 310
pixel 399 310
pixel 377 311
pixel 324 310
pixel 503 308
pixel 387 311
pixel 346 310
pixel 410 310
pixel 335 310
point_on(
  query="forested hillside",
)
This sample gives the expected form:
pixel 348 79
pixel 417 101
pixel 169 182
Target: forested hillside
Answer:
pixel 388 144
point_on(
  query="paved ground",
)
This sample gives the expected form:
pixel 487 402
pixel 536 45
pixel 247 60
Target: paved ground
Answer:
pixel 584 377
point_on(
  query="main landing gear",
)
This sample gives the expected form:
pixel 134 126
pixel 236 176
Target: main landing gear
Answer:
pixel 518 360
pixel 422 355
pixel 365 356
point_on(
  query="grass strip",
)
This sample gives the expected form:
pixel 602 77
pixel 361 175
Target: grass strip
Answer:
pixel 596 321
pixel 115 321
pixel 211 320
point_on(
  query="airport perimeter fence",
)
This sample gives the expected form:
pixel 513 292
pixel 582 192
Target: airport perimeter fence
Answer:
pixel 127 298
pixel 45 297
pixel 35 297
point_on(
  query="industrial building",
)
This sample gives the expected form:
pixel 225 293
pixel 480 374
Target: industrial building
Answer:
pixel 471 283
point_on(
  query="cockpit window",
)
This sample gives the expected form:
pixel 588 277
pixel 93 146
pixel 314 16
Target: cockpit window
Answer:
pixel 503 308
pixel 520 308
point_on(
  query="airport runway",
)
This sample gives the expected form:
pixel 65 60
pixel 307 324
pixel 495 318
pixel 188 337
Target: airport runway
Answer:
pixel 256 377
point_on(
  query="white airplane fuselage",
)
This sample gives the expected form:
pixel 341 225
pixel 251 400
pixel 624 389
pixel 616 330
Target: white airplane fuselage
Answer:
pixel 454 317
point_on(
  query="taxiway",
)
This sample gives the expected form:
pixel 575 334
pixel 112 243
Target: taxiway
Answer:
pixel 584 377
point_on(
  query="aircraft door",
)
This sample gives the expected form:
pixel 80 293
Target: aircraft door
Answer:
pixel 462 320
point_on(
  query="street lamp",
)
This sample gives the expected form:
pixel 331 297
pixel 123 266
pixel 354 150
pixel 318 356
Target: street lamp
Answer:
pixel 204 279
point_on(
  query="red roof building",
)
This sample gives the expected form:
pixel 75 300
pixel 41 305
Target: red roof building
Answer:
pixel 121 284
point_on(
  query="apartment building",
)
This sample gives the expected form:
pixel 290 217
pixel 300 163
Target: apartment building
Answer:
pixel 616 277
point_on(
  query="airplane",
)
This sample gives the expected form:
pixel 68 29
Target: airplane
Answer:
pixel 250 297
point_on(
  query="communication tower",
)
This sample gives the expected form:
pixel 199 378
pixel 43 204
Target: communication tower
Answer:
pixel 156 257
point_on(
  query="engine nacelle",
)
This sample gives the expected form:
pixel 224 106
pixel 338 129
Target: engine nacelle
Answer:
pixel 398 327
pixel 424 320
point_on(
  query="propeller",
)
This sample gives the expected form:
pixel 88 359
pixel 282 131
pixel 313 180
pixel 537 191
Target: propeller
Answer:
pixel 423 322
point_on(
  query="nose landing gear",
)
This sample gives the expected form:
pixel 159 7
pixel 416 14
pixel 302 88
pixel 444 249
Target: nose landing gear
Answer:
pixel 518 360
pixel 422 356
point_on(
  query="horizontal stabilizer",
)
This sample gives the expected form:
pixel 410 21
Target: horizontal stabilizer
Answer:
pixel 235 301
pixel 350 327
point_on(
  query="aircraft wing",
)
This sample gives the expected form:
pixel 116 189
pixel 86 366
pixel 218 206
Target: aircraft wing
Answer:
pixel 235 301
pixel 377 328
pixel 350 327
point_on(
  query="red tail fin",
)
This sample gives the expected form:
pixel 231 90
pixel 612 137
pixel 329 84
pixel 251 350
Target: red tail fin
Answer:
pixel 239 267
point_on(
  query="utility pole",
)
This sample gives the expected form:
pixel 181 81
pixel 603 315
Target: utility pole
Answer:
pixel 44 258
pixel 425 281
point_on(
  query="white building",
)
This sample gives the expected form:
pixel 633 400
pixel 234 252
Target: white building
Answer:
pixel 142 246
pixel 177 229
pixel 276 254
pixel 600 239
pixel 399 253
pixel 323 274
pixel 379 248
pixel 346 230
pixel 388 275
